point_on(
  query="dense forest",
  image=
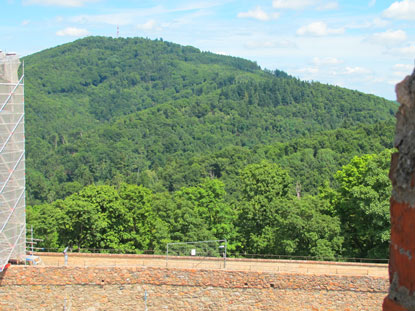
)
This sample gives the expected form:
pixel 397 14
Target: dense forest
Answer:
pixel 134 143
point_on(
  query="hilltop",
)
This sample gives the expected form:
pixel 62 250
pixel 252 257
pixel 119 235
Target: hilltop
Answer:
pixel 133 143
pixel 100 109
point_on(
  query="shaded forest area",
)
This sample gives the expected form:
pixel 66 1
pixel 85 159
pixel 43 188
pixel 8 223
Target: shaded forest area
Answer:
pixel 134 143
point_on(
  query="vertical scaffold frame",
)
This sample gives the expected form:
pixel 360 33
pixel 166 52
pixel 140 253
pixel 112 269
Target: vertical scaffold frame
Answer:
pixel 12 161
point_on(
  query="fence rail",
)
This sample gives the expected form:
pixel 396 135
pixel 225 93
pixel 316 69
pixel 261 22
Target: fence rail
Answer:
pixel 209 263
pixel 228 255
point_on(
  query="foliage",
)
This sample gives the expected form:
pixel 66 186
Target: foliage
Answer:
pixel 273 221
pixel 134 143
pixel 106 111
pixel 363 205
pixel 132 218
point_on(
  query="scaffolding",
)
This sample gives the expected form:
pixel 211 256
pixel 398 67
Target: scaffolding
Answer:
pixel 12 161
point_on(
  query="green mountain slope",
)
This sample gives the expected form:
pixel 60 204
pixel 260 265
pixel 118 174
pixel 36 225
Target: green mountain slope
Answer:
pixel 103 110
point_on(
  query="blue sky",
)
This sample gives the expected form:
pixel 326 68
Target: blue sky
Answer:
pixel 368 45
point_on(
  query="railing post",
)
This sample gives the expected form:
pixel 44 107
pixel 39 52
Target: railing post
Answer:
pixel 65 254
pixel 224 257
pixel 167 255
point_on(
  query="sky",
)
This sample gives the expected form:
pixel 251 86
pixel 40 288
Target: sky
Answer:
pixel 367 45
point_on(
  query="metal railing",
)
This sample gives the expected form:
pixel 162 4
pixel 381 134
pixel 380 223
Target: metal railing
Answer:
pixel 229 255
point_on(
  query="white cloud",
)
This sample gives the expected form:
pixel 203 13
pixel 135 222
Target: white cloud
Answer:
pixel 318 29
pixel 393 82
pixel 25 22
pixel 199 5
pixel 308 70
pixel 326 61
pixel 356 70
pixel 149 25
pixel 275 15
pixel 320 5
pixel 221 53
pixel 292 4
pixel 332 5
pixel 376 79
pixel 121 18
pixel 258 13
pixel 339 83
pixel 388 37
pixel 183 21
pixel 378 23
pixel 401 74
pixel 278 44
pixel 372 3
pixel 72 32
pixel 405 51
pixel 375 23
pixel 401 10
pixel 65 3
pixel 404 67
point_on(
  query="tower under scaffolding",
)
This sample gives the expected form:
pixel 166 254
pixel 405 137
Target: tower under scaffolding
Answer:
pixel 12 161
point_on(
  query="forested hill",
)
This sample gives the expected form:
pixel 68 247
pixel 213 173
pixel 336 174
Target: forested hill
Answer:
pixel 103 110
pixel 133 143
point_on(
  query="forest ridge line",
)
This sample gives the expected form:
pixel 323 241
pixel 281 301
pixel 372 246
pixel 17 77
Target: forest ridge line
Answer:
pixel 133 143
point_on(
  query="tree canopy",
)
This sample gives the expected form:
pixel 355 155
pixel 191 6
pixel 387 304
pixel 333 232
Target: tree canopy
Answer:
pixel 134 143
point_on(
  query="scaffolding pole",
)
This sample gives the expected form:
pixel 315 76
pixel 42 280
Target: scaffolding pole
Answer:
pixel 12 161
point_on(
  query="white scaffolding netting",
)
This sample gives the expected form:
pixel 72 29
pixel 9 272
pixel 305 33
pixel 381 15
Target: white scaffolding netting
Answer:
pixel 12 161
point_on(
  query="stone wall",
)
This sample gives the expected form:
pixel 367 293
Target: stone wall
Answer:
pixel 124 288
pixel 402 174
